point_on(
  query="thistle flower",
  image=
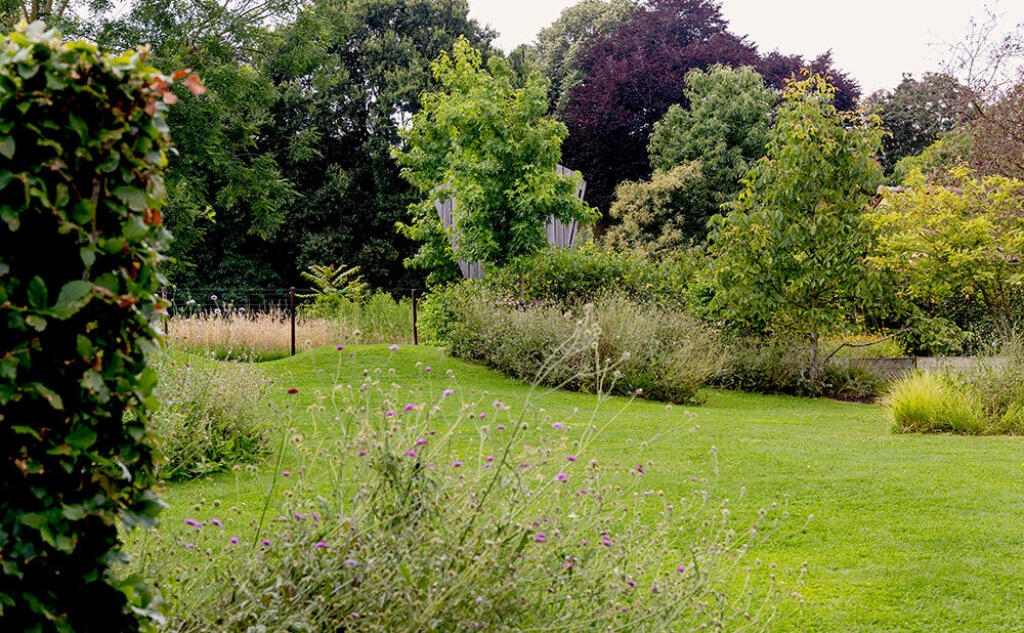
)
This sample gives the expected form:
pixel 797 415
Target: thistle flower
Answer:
pixel 410 453
pixel 390 414
pixel 233 540
pixel 407 408
pixel 320 545
pixel 216 522
pixel 266 542
pixel 193 523
pixel 339 347
pixel 540 537
pixel 427 369
pixel 561 476
pixel 481 416
pixel 285 473
pixel 681 568
pixel 456 464
pixel 293 390
pixel 393 348
pixel 489 458
pixel 446 393
pixel 570 458
pixel 421 441
pixel 558 425
pixel 524 464
pixel 351 562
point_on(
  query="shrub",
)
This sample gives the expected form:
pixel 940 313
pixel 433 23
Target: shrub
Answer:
pixel 82 146
pixel 573 276
pixel 429 534
pixel 787 368
pixel 661 354
pixel 932 402
pixel 213 416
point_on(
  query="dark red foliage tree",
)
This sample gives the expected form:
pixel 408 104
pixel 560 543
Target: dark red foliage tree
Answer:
pixel 631 77
pixel 777 68
pixel 634 73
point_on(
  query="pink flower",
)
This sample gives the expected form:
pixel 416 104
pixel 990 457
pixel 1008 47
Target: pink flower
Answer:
pixel 190 545
pixel 351 562
pixel 193 523
pixel 456 464
pixel 293 390
pixel 407 408
pixel 640 469
pixel 524 464
pixel 681 568
pixel 570 458
pixel 606 543
pixel 233 540
pixel 393 348
pixel 298 516
pixel 216 522
pixel 316 517
pixel 427 369
pixel 540 537
pixel 500 427
pixel 558 425
pixel 320 545
pixel 431 432
pixel 285 473
pixel 266 542
pixel 498 404
pixel 362 452
pixel 446 393
pixel 489 458
pixel 389 414
pixel 421 441
pixel 339 348
pixel 561 476
pixel 410 453
pixel 481 416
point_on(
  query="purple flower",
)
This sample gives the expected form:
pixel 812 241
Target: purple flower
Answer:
pixel 285 473
pixel 266 542
pixel 681 568
pixel 489 458
pixel 500 427
pixel 319 545
pixel 481 416
pixel 233 540
pixel 362 452
pixel 407 408
pixel 570 458
pixel 540 537
pixel 213 297
pixel 216 522
pixel 431 432
pixel 606 543
pixel 190 545
pixel 498 404
pixel 339 348
pixel 316 517
pixel 410 453
pixel 640 469
pixel 524 464
pixel 293 390
pixel 193 523
pixel 421 441
pixel 561 476
pixel 631 582
pixel 389 414
pixel 351 562
pixel 446 393
pixel 558 425
pixel 456 464
pixel 427 369
pixel 298 516
pixel 393 348
pixel 187 410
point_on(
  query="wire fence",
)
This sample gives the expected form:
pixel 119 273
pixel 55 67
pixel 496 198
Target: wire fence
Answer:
pixel 269 323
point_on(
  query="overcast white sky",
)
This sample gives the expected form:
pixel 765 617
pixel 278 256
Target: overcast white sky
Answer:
pixel 874 40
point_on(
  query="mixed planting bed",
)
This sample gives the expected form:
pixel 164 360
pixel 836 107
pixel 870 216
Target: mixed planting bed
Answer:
pixel 909 532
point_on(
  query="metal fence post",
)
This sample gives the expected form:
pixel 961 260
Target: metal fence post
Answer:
pixel 291 303
pixel 415 334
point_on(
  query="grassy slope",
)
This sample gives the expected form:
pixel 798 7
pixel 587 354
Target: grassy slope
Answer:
pixel 910 533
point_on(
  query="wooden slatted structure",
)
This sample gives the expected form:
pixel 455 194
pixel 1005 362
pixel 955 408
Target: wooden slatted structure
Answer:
pixel 558 233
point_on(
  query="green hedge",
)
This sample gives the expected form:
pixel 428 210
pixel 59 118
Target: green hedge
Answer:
pixel 82 147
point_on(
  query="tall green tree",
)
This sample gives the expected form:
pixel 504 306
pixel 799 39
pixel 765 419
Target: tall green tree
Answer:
pixel 350 75
pixel 485 140
pixel 699 155
pixel 790 255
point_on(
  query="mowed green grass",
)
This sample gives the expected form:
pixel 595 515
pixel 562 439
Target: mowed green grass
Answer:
pixel 909 533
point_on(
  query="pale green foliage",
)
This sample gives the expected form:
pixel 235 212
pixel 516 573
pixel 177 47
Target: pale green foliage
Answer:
pixel 935 161
pixel 334 280
pixel 658 214
pixel 929 402
pixel 790 255
pixel 484 139
pixel 558 46
pixel 963 242
pixel 725 128
pixel 699 156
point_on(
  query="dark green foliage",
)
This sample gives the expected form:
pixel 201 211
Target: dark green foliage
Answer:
pixel 82 148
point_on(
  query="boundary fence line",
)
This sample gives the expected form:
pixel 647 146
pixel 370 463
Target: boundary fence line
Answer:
pixel 184 302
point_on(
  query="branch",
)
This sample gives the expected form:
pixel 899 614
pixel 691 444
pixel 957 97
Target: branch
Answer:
pixel 848 344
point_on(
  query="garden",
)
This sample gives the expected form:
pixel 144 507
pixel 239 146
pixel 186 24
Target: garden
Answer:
pixel 309 328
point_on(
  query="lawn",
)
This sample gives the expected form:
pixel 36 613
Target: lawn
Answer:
pixel 909 533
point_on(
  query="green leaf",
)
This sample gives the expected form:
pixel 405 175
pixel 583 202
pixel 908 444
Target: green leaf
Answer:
pixel 34 520
pixel 72 298
pixel 94 382
pixel 50 395
pixel 134 197
pixel 7 146
pixel 38 296
pixel 82 437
